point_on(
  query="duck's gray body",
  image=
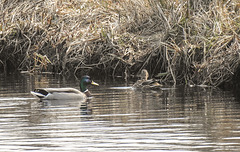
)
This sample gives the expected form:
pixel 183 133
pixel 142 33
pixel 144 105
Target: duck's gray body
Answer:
pixel 65 93
pixel 59 94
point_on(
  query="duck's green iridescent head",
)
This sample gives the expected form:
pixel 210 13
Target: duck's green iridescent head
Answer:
pixel 86 80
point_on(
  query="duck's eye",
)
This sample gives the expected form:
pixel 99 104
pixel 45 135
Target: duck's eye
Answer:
pixel 88 81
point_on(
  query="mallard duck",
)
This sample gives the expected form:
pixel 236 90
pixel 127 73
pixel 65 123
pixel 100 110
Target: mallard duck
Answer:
pixel 145 83
pixel 65 93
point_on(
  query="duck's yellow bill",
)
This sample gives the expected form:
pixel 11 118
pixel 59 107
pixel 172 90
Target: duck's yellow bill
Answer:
pixel 94 83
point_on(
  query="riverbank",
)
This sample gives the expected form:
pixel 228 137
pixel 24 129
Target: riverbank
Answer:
pixel 191 42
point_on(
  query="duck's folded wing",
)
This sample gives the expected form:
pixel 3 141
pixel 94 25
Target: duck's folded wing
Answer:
pixel 63 90
pixel 39 95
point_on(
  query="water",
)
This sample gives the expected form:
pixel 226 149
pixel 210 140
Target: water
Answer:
pixel 117 119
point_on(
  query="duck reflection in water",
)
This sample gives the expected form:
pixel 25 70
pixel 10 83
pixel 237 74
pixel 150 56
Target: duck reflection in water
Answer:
pixel 84 106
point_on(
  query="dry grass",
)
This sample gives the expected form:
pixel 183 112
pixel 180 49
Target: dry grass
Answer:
pixel 195 42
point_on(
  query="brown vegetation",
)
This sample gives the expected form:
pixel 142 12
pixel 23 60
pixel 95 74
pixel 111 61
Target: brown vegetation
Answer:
pixel 195 42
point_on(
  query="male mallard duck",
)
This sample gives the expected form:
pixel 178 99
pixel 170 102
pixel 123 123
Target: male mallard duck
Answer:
pixel 65 93
pixel 145 83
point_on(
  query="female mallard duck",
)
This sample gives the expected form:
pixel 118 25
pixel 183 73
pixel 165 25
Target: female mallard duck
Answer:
pixel 145 83
pixel 65 93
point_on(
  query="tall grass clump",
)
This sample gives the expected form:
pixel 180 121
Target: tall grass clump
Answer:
pixel 192 42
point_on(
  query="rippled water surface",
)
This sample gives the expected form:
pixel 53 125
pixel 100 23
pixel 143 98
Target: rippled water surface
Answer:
pixel 117 119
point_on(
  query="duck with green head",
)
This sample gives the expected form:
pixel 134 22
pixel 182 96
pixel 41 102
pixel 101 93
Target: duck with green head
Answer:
pixel 145 83
pixel 66 93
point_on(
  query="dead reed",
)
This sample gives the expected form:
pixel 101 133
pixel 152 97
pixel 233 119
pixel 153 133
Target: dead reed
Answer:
pixel 193 42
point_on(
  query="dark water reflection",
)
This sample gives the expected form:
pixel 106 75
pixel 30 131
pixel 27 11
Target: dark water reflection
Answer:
pixel 116 119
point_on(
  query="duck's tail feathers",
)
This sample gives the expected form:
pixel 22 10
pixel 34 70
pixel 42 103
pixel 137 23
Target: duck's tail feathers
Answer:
pixel 39 95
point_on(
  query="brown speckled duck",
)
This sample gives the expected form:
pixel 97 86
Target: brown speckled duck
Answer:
pixel 145 83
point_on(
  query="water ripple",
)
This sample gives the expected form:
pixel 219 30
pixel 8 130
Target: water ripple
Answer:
pixel 121 119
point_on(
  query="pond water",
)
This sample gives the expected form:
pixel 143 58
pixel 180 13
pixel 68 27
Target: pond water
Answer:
pixel 117 119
